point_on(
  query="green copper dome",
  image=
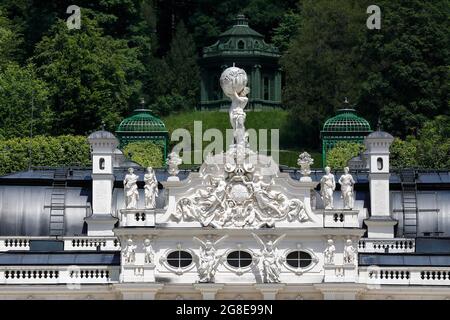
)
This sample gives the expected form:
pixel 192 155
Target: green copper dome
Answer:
pixel 346 120
pixel 141 121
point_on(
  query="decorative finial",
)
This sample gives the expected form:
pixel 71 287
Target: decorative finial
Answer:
pixel 142 102
pixel 103 125
pixel 346 100
pixel 379 124
pixel 234 65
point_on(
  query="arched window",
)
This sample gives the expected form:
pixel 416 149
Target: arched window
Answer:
pixel 101 163
pixel 179 259
pixel 239 259
pixel 241 44
pixel 299 259
pixel 380 164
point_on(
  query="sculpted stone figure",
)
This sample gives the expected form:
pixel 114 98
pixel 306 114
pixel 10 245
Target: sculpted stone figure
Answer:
pixel 263 198
pixel 234 85
pixel 173 161
pixel 151 188
pixel 131 189
pixel 149 257
pixel 270 259
pixel 208 259
pixel 346 181
pixel 327 187
pixel 349 252
pixel 129 252
pixel 328 254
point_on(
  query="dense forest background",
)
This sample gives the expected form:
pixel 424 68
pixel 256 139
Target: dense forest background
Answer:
pixel 77 80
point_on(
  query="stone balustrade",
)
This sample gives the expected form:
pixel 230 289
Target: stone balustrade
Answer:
pixel 70 243
pixel 398 245
pixel 91 244
pixel 374 275
pixel 137 217
pixel 70 275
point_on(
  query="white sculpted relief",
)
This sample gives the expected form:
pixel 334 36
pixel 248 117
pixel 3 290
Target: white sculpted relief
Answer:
pixel 346 181
pixel 328 254
pixel 349 252
pixel 131 189
pixel 237 189
pixel 151 188
pixel 129 252
pixel 242 201
pixel 208 259
pixel 327 187
pixel 270 259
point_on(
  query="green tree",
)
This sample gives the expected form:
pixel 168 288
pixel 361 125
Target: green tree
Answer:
pixel 403 153
pixel 145 153
pixel 320 64
pixel 24 102
pixel 407 62
pixel 433 147
pixel 92 77
pixel 339 156
pixel 10 41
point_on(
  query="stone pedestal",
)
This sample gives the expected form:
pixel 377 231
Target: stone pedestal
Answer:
pixel 137 217
pixel 137 273
pixel 380 227
pixel 269 290
pixel 340 218
pixel 340 273
pixel 208 290
pixel 100 225
pixel 130 291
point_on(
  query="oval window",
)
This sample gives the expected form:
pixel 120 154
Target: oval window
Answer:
pixel 241 45
pixel 299 259
pixel 239 259
pixel 101 163
pixel 380 164
pixel 179 259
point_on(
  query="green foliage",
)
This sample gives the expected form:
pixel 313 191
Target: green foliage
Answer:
pixel 44 151
pixel 145 153
pixel 338 157
pixel 91 76
pixel 287 29
pixel 320 64
pixel 9 41
pixel 403 153
pixel 19 89
pixel 433 147
pixel 407 65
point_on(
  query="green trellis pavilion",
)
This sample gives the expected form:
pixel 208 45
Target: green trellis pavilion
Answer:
pixel 246 48
pixel 346 126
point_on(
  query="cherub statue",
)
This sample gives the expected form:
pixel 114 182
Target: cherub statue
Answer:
pixel 327 187
pixel 349 252
pixel 151 188
pixel 149 257
pixel 270 258
pixel 131 189
pixel 208 260
pixel 328 254
pixel 129 252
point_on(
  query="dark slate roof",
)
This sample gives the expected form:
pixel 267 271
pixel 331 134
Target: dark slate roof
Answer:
pixel 60 258
pixel 376 259
pixel 102 134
